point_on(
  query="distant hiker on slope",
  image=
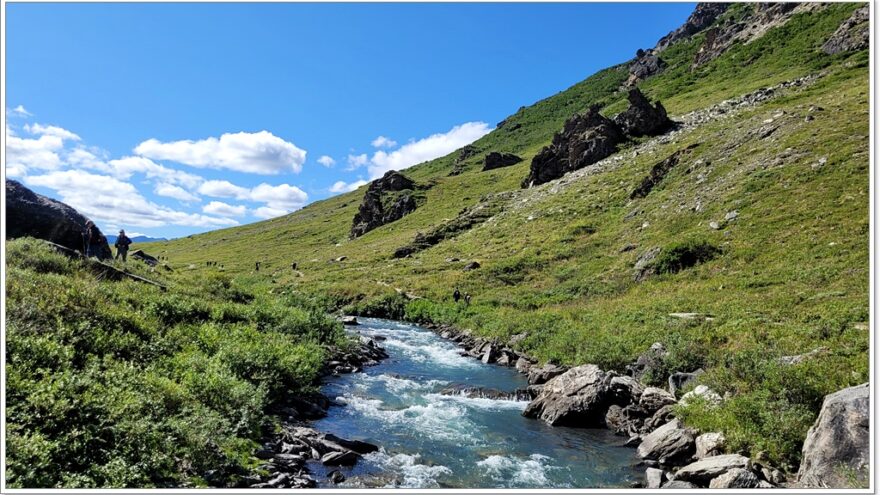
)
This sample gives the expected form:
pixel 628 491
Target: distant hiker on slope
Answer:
pixel 456 295
pixel 94 240
pixel 122 243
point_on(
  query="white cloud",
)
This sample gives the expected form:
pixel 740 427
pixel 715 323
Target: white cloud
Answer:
pixel 428 148
pixel 50 130
pixel 266 212
pixel 356 161
pixel 126 166
pixel 20 110
pixel 282 197
pixel 342 186
pixel 327 161
pixel 176 192
pixel 222 209
pixel 41 153
pixel 383 142
pixel 107 199
pixel 223 189
pixel 258 153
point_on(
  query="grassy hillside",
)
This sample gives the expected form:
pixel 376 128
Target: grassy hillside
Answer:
pixel 118 384
pixel 790 273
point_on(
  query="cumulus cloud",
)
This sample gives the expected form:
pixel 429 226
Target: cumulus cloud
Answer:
pixel 327 161
pixel 222 209
pixel 50 130
pixel 20 110
pixel 126 166
pixel 223 189
pixel 175 192
pixel 428 148
pixel 281 197
pixel 266 212
pixel 356 161
pixel 24 153
pixel 342 186
pixel 257 153
pixel 108 199
pixel 383 142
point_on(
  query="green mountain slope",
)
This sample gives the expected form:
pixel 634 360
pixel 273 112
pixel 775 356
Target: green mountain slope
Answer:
pixel 787 275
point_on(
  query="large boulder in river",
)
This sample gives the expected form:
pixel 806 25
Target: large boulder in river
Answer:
pixel 545 373
pixel 668 444
pixel 642 118
pixel 389 198
pixel 578 397
pixel 836 450
pixel 584 140
pixel 29 214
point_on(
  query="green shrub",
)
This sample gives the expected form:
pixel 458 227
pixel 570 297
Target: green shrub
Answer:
pixel 677 257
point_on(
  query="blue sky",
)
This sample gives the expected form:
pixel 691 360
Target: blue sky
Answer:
pixel 171 119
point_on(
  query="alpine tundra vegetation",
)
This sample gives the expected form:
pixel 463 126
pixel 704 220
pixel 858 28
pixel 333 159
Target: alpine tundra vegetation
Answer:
pixel 676 248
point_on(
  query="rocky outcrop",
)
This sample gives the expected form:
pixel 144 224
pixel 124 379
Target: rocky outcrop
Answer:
pixel 702 17
pixel 641 118
pixel 578 397
pixel 659 171
pixel 499 160
pixel 852 34
pixel 545 373
pixel 29 214
pixel 584 139
pixel 386 200
pixel 836 450
pixel 464 153
pixel 645 65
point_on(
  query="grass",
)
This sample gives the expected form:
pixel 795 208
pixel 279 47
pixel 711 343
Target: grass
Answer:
pixel 118 384
pixel 788 275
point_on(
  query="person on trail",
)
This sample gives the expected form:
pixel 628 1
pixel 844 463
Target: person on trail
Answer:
pixel 467 299
pixel 456 295
pixel 94 240
pixel 122 243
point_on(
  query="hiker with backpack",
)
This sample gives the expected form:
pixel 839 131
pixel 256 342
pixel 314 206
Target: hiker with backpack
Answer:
pixel 122 243
pixel 94 241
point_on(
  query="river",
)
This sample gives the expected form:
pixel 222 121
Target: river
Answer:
pixel 433 440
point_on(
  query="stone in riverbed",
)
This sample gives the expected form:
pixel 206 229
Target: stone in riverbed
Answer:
pixel 704 470
pixel 735 478
pixel 346 458
pixel 578 397
pixel 353 445
pixel 678 485
pixel 336 477
pixel 545 373
pixel 654 478
pixel 709 444
pixel 668 444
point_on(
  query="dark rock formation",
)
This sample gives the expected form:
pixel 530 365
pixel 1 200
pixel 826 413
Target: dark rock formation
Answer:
pixel 499 160
pixel 852 34
pixel 702 17
pixel 387 199
pixel 473 265
pixel 756 22
pixel 658 172
pixel 34 215
pixel 836 450
pixel 464 153
pixel 642 119
pixel 584 140
pixel 645 65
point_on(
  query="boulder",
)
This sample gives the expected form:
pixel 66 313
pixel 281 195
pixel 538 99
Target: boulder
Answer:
pixel 645 65
pixel 641 118
pixel 545 373
pixel 140 255
pixel 499 160
pixel 584 140
pixel 386 200
pixel 704 393
pixel 578 397
pixel 704 470
pixel 648 362
pixel 523 365
pixel 356 446
pixel 663 415
pixel 654 478
pixel 644 266
pixel 678 485
pixel 349 320
pixel 626 420
pixel 29 214
pixel 485 393
pixel 735 478
pixel 347 458
pixel 836 449
pixel 473 265
pixel 336 477
pixel 626 390
pixel 668 444
pixel 709 444
pixel 653 398
pixel 680 380
pixel 852 34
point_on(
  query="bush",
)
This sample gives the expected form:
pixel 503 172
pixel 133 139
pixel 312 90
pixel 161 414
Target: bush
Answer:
pixel 677 257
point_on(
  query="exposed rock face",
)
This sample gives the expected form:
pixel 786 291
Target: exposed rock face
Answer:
pixel 668 444
pixel 704 470
pixel 701 18
pixel 644 266
pixel 836 450
pixel 853 34
pixel 642 119
pixel 658 172
pixel 35 215
pixel 578 397
pixel 464 153
pixel 645 65
pixel 736 478
pixel 584 140
pixel 499 160
pixel 387 199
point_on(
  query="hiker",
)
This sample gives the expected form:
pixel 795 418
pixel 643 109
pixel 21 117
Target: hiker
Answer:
pixel 122 243
pixel 94 240
pixel 467 299
pixel 257 265
pixel 293 266
pixel 456 295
